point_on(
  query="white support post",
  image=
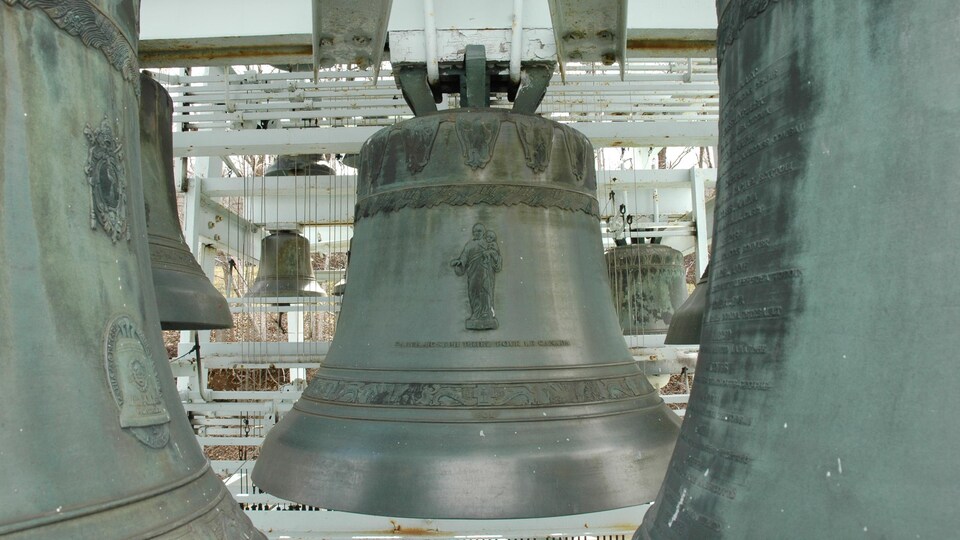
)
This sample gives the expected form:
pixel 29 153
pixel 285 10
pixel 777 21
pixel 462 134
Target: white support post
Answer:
pixel 699 218
pixel 295 335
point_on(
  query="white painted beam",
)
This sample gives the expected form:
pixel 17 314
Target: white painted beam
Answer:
pixel 349 139
pixel 182 33
pixel 654 133
pixel 272 141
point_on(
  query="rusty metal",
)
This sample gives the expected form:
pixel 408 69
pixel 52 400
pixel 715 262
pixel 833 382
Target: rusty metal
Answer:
pixel 226 50
pixel 185 297
pixel 94 442
pixel 478 370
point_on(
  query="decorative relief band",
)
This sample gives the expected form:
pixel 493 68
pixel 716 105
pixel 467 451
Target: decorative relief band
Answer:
pixel 107 180
pixel 172 257
pixel 473 194
pixel 82 19
pixel 479 394
pixel 477 135
pixel 736 14
pixel 135 384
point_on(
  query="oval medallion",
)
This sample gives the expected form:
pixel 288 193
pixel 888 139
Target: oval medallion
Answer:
pixel 135 384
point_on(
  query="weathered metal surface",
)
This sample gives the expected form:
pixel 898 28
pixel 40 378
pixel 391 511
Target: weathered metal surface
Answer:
pixel 478 370
pixel 688 319
pixel 647 284
pixel 350 32
pixel 777 441
pixel 93 439
pixel 185 297
pixel 285 268
pixel 590 31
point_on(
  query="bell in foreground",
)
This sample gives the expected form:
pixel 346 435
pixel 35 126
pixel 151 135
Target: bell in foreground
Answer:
pixel 94 442
pixel 478 370
pixel 825 402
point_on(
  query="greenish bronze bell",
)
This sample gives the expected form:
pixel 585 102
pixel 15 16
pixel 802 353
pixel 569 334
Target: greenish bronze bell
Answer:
pixel 825 403
pixel 648 285
pixel 478 370
pixel 185 297
pixel 94 442
pixel 285 268
pixel 688 319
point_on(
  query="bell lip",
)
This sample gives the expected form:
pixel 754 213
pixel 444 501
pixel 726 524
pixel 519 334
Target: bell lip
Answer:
pixel 200 306
pixel 623 486
pixel 269 288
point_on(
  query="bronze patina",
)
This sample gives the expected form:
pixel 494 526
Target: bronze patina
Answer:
pixel 648 285
pixel 185 297
pixel 93 440
pixel 478 370
pixel 285 269
pixel 688 319
pixel 825 403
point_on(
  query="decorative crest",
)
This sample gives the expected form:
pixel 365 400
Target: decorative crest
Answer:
pixel 82 19
pixel 107 179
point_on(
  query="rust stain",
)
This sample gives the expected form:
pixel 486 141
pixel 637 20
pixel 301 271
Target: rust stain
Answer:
pixel 215 53
pixel 703 45
pixel 624 526
pixel 409 531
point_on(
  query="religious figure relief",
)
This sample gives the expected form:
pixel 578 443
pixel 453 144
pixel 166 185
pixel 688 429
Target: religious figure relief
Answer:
pixel 480 260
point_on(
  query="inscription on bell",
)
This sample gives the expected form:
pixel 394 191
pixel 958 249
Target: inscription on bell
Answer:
pixel 480 261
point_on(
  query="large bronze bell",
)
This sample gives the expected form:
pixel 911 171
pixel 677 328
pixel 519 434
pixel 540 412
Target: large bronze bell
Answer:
pixel 185 297
pixel 93 440
pixel 688 319
pixel 285 268
pixel 648 284
pixel 826 402
pixel 478 370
